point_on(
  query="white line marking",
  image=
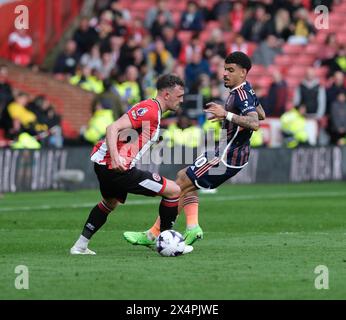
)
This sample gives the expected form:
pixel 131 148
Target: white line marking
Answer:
pixel 204 198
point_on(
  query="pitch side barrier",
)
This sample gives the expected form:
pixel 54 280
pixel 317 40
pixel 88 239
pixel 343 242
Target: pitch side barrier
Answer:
pixel 70 168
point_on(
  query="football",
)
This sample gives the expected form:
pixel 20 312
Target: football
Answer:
pixel 170 243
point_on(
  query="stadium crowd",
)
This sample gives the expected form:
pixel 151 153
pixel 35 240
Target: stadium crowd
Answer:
pixel 118 56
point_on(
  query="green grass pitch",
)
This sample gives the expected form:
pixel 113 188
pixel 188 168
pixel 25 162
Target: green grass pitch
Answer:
pixel 261 242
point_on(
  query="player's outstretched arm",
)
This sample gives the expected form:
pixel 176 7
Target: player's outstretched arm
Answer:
pixel 260 112
pixel 112 135
pixel 250 121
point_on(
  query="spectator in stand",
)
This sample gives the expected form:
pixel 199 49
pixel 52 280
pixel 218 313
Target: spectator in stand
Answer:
pixel 183 133
pixel 221 9
pixel 111 98
pixel 267 51
pixel 50 122
pixel 292 6
pixel 338 86
pixel 130 89
pixel 312 95
pixel 117 9
pixel 276 101
pixel 172 43
pixel 159 24
pixel 18 112
pixel 237 17
pixel 338 120
pixel 330 48
pixel 279 25
pixel 115 45
pixel 192 18
pixel 206 12
pixel 97 125
pixel 104 29
pixel 126 54
pixel 108 64
pixel 338 63
pixel 161 6
pixel 6 95
pixel 85 36
pixel 160 60
pixel 87 80
pixel 215 45
pixel 239 44
pixel 215 62
pixel 92 59
pixel 101 5
pixel 139 60
pixel 293 126
pixel 254 27
pixel 137 31
pixel 120 25
pixel 327 3
pixel 303 30
pixel 20 47
pixel 66 62
pixel 195 68
pixel 189 49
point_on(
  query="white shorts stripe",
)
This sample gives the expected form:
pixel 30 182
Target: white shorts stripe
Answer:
pixel 151 185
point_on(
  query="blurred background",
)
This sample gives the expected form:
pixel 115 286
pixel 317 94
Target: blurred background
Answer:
pixel 80 64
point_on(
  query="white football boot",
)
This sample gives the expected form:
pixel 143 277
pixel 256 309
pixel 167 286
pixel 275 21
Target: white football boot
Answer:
pixel 78 250
pixel 187 249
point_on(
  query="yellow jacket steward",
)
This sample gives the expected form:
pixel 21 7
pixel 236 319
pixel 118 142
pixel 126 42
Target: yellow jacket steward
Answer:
pixel 189 137
pixel 293 125
pixel 26 141
pixel 98 124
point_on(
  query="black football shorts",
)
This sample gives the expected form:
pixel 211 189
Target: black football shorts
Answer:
pixel 115 184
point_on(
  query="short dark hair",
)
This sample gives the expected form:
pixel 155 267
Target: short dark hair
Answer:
pixel 240 59
pixel 169 81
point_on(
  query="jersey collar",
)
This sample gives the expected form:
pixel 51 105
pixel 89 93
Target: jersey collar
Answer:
pixel 158 103
pixel 238 86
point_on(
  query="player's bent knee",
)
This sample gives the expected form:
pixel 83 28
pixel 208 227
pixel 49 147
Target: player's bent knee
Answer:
pixel 181 177
pixel 172 190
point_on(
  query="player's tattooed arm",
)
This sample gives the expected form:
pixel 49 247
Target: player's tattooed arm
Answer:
pixel 112 137
pixel 260 112
pixel 250 121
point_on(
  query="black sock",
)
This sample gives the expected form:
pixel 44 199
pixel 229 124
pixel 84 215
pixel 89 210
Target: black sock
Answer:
pixel 168 213
pixel 97 218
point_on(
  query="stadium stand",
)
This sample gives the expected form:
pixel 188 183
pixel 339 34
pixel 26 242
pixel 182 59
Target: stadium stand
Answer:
pixel 121 28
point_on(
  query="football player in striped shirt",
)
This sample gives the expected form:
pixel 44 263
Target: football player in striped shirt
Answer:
pixel 240 117
pixel 115 158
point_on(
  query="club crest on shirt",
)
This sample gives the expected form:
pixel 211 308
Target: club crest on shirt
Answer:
pixel 156 177
pixel 142 111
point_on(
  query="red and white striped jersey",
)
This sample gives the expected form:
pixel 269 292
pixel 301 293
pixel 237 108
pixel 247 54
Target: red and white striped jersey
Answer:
pixel 145 117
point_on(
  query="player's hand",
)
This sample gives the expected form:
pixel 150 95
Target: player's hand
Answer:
pixel 119 164
pixel 218 111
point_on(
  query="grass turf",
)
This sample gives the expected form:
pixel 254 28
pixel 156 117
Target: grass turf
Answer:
pixel 261 242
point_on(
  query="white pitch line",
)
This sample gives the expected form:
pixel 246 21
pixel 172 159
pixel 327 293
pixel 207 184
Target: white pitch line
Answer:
pixel 204 198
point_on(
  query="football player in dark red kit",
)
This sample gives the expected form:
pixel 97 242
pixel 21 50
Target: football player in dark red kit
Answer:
pixel 240 116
